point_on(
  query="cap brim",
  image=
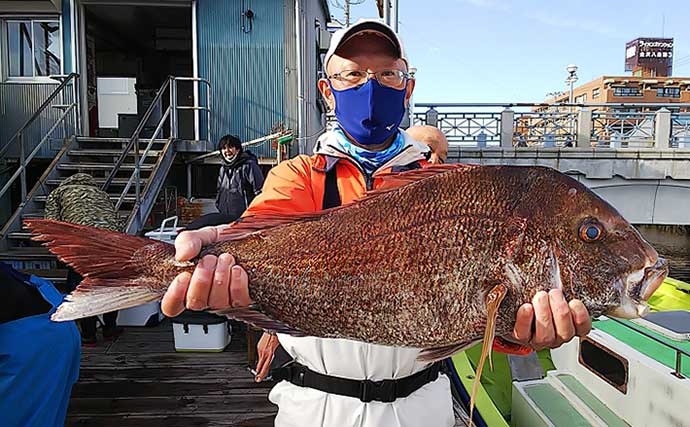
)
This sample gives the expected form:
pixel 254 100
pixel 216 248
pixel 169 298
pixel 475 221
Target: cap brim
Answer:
pixel 373 27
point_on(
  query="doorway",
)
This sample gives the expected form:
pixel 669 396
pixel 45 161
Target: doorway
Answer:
pixel 131 49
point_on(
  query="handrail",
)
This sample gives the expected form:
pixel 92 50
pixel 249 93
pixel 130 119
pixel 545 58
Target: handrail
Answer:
pixel 545 104
pixel 40 109
pixel 135 137
pixel 679 351
pixel 23 161
pixel 170 113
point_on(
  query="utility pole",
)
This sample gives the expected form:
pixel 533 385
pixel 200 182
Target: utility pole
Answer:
pixel 347 13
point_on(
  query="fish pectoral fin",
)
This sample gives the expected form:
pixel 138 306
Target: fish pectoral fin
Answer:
pixel 434 354
pixel 255 317
pixel 514 275
pixel 493 301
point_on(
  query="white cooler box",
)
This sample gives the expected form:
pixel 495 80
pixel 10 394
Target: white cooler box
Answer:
pixel 201 331
pixel 142 315
pixel 165 233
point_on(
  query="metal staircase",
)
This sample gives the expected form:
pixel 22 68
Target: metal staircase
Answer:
pixel 131 170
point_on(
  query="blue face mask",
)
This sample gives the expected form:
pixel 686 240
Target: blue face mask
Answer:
pixel 370 113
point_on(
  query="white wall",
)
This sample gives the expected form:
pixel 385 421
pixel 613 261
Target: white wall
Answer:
pixel 115 95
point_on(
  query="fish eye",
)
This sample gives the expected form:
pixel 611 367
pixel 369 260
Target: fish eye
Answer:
pixel 591 231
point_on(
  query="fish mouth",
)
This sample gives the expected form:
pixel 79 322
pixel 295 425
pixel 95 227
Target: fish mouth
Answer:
pixel 637 287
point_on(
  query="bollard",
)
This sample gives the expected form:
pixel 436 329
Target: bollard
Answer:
pixel 481 140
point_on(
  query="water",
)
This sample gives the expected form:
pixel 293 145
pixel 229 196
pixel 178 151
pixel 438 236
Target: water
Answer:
pixel 673 243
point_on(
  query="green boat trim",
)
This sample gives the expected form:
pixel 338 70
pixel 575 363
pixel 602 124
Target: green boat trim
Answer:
pixel 496 386
pixel 647 346
pixel 484 403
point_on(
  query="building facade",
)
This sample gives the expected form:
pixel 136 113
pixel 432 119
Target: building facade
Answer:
pixel 261 58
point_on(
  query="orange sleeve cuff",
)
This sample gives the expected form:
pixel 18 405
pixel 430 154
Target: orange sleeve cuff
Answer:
pixel 507 347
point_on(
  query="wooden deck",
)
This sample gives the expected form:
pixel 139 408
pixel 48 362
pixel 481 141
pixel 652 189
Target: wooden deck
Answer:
pixel 139 380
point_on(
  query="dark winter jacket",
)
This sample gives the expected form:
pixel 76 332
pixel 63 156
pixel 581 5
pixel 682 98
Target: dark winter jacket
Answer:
pixel 239 181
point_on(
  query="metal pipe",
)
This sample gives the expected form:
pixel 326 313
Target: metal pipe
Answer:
pixel 135 136
pixel 208 113
pixel 678 373
pixel 394 15
pixel 173 107
pixel 300 86
pixel 195 70
pixel 189 181
pixel 22 165
pixel 386 12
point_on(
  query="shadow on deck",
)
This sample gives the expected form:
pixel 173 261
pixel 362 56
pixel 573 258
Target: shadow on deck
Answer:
pixel 139 380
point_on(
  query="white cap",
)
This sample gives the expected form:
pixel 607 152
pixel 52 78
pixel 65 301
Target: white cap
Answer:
pixel 365 26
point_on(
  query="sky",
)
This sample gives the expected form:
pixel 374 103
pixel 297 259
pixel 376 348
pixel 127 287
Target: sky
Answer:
pixel 518 51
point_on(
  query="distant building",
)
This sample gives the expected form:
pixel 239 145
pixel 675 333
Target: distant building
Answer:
pixel 650 61
pixel 630 89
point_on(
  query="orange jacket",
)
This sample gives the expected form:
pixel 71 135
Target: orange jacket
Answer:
pixel 298 185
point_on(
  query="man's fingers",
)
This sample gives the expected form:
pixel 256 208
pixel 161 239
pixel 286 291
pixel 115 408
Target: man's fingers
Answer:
pixel 219 296
pixel 188 244
pixel 239 287
pixel 174 298
pixel 264 364
pixel 581 319
pixel 522 331
pixel 562 319
pixel 200 284
pixel 544 333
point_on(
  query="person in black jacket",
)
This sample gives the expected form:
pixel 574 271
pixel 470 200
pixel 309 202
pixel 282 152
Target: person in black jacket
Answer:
pixel 239 179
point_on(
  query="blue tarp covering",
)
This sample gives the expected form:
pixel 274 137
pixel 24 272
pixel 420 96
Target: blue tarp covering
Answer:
pixel 39 363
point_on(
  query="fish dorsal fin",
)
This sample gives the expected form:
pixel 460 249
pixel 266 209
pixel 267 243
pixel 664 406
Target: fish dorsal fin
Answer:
pixel 394 180
pixel 249 225
pixel 252 224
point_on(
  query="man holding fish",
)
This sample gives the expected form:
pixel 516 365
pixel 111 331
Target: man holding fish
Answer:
pixel 369 87
pixel 370 265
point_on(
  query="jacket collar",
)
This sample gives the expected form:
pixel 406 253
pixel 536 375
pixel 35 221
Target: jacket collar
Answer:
pixel 330 148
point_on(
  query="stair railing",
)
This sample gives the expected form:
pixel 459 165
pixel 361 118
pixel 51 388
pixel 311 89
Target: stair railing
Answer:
pixel 132 148
pixel 18 137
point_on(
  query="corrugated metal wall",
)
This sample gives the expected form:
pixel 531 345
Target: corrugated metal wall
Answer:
pixel 246 70
pixel 17 103
pixel 67 37
pixel 314 14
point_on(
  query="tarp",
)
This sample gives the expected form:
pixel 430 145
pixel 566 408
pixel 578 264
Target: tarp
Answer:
pixel 39 363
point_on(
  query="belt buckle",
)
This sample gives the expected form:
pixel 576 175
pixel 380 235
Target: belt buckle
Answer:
pixel 382 391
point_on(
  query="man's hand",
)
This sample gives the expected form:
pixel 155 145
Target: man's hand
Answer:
pixel 265 348
pixel 556 321
pixel 216 282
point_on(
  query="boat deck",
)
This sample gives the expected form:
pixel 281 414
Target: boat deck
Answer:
pixel 139 380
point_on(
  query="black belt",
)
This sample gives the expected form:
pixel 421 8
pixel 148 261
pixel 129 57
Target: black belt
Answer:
pixel 364 390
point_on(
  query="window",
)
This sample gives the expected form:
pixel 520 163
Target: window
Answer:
pixel 604 363
pixel 668 92
pixel 581 99
pixel 626 91
pixel 33 48
pixel 595 93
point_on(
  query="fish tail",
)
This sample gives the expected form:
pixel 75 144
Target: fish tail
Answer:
pixel 113 278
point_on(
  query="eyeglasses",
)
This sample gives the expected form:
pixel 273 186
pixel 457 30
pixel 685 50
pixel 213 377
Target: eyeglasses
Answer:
pixel 351 78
